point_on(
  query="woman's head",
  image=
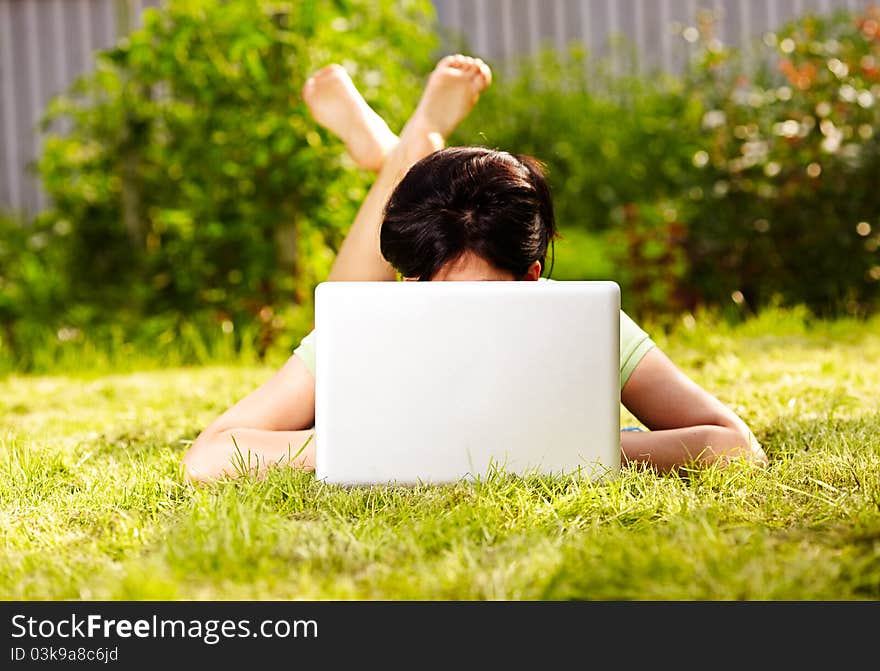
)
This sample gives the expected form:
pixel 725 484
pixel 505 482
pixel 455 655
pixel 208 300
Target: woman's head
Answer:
pixel 471 210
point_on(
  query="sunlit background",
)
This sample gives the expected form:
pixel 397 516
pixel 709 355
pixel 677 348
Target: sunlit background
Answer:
pixel 159 174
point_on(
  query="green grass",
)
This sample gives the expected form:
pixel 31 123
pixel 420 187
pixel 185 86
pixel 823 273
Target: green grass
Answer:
pixel 92 505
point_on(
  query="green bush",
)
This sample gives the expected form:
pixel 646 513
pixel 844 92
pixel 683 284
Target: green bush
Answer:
pixel 32 288
pixel 698 188
pixel 607 140
pixel 618 150
pixel 190 178
pixel 195 203
pixel 788 206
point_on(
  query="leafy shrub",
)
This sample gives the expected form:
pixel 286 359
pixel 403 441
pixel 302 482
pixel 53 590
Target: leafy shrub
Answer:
pixel 788 206
pixel 32 289
pixel 195 202
pixel 190 175
pixel 618 149
pixel 756 183
pixel 607 140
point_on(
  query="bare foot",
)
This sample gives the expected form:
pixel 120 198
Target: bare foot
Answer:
pixel 452 90
pixel 338 106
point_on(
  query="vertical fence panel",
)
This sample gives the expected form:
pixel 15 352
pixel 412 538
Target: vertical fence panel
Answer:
pixel 23 84
pixel 56 35
pixel 586 22
pixel 508 39
pixel 558 13
pixel 571 19
pixel 9 167
pixel 492 34
pixel 622 31
pixel 596 39
pixel 84 22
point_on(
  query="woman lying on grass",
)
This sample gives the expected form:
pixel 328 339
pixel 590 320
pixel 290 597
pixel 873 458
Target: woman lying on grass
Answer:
pixel 465 213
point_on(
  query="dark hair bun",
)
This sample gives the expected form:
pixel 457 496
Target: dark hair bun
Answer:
pixel 459 199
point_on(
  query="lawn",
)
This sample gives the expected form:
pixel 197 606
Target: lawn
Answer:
pixel 92 505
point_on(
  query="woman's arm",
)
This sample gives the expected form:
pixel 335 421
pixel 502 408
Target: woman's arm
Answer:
pixel 269 426
pixel 359 258
pixel 686 422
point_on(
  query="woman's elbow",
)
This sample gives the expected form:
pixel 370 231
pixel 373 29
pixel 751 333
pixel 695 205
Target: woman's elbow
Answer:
pixel 205 460
pixel 734 443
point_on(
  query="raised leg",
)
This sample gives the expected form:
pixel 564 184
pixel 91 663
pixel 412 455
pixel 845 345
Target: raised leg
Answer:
pixel 452 90
pixel 337 105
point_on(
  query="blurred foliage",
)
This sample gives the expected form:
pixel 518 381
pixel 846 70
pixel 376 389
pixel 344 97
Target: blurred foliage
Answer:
pixel 188 179
pixel 195 201
pixel 790 159
pixel 40 332
pixel 607 139
pixel 748 180
pixel 618 149
pixel 31 285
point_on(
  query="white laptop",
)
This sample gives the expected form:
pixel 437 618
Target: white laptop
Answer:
pixel 434 382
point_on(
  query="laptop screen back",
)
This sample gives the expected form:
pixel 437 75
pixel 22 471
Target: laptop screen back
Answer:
pixel 439 381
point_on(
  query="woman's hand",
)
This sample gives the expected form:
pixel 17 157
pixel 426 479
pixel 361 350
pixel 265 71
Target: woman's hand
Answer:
pixel 267 427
